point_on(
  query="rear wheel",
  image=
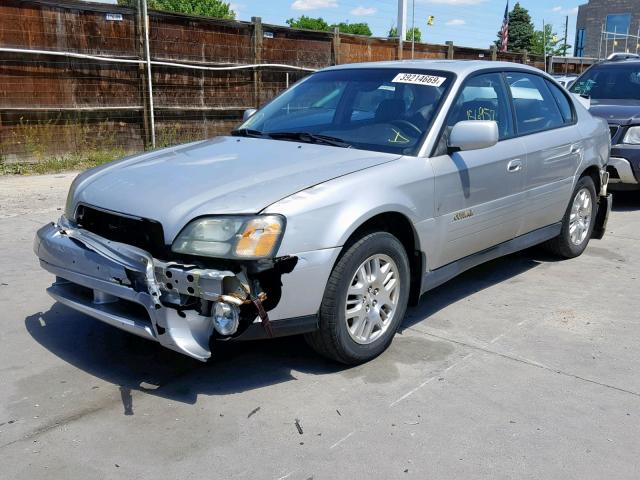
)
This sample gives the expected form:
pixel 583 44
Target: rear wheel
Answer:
pixel 578 221
pixel 365 300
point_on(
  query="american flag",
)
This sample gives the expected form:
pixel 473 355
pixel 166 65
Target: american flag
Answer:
pixel 504 31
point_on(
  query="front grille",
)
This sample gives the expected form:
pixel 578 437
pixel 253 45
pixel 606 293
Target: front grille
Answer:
pixel 613 130
pixel 139 232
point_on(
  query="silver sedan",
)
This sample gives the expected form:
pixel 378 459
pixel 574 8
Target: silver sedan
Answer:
pixel 333 207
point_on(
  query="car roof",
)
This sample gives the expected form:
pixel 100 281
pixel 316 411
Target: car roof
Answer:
pixel 619 61
pixel 459 67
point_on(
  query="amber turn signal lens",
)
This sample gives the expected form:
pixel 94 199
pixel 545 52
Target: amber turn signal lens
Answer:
pixel 259 238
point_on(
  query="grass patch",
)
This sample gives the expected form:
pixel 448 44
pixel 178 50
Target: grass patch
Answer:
pixel 59 145
pixel 61 163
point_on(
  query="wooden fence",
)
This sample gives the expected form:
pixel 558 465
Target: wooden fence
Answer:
pixel 52 104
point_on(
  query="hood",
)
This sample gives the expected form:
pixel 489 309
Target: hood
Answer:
pixel 226 175
pixel 619 112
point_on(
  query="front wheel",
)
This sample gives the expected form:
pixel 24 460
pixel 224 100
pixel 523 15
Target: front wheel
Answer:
pixel 578 221
pixel 365 300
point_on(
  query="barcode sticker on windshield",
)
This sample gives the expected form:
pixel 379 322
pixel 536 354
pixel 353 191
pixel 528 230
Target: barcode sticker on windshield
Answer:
pixel 419 79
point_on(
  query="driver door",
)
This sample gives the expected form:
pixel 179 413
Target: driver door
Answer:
pixel 478 193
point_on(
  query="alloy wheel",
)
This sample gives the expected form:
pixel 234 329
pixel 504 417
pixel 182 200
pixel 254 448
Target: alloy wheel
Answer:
pixel 372 299
pixel 580 216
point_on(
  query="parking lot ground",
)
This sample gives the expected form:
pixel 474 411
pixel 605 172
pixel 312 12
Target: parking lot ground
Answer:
pixel 525 367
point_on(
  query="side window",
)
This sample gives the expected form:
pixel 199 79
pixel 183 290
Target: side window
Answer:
pixel 535 107
pixel 563 102
pixel 483 98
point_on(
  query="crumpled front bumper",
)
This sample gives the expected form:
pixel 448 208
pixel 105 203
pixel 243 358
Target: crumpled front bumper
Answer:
pixel 116 283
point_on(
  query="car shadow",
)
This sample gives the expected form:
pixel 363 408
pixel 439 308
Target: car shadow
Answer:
pixel 626 201
pixel 136 364
pixel 475 280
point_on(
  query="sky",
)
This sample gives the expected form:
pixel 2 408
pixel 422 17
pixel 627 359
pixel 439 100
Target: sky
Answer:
pixel 470 23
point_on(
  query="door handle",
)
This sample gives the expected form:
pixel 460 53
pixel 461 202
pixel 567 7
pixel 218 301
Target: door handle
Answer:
pixel 514 166
pixel 575 149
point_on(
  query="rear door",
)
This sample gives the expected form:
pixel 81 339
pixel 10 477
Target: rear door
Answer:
pixel 545 121
pixel 478 191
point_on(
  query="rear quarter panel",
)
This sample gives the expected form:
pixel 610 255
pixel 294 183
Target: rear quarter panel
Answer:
pixel 595 138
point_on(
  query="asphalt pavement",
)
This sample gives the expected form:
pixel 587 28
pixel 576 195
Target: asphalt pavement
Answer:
pixel 523 368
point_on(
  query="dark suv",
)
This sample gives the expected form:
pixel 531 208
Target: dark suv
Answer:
pixel 613 86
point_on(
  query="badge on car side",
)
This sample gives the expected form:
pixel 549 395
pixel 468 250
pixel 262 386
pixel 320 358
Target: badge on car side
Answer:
pixel 462 215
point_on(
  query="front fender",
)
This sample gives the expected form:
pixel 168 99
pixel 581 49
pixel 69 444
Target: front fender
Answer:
pixel 326 215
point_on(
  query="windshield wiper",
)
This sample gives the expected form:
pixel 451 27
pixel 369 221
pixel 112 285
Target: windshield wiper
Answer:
pixel 308 137
pixel 248 132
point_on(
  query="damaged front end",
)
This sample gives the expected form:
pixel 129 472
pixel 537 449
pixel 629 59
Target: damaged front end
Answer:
pixel 182 305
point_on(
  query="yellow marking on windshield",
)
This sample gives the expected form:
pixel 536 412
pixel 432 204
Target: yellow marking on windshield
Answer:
pixel 399 138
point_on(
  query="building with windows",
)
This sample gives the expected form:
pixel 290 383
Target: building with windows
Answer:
pixel 607 26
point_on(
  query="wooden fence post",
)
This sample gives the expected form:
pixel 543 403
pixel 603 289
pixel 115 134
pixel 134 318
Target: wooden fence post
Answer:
pixel 450 50
pixel 525 57
pixel 336 46
pixel 494 52
pixel 256 42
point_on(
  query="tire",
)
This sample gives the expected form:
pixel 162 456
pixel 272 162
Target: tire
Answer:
pixel 566 245
pixel 342 335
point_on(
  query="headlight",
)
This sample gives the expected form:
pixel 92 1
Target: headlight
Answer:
pixel 236 237
pixel 632 137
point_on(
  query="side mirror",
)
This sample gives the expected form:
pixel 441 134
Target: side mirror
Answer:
pixel 473 135
pixel 248 113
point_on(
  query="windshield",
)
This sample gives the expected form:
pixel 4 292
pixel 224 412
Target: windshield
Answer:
pixel 611 82
pixel 385 110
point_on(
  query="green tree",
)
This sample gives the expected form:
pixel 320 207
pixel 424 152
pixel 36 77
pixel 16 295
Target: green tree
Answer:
pixel 411 32
pixel 554 45
pixel 309 23
pixel 355 28
pixel 520 29
pixel 203 8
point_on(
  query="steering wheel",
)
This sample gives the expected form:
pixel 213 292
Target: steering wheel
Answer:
pixel 406 123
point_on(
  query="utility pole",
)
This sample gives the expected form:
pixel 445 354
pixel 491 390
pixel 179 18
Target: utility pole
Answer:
pixel 564 49
pixel 566 29
pixel 413 28
pixel 402 25
pixel 147 54
pixel 544 45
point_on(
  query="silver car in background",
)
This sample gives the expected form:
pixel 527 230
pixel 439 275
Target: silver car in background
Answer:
pixel 333 207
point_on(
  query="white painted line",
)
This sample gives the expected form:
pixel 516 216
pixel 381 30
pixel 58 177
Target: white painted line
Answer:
pixel 429 380
pixel 497 338
pixel 341 440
